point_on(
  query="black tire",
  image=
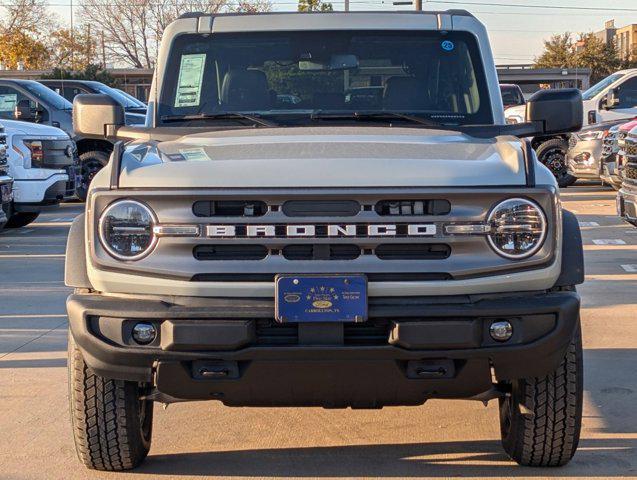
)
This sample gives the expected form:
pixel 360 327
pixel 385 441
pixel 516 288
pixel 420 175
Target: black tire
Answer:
pixel 112 427
pixel 90 163
pixel 552 153
pixel 540 421
pixel 21 219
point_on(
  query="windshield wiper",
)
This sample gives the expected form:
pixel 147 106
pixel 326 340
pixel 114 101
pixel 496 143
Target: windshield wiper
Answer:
pixel 363 116
pixel 220 116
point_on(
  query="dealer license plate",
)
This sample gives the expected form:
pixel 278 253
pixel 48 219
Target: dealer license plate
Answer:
pixel 321 298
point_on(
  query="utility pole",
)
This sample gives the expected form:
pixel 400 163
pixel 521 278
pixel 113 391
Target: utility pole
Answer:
pixel 346 6
pixel 418 5
pixel 72 38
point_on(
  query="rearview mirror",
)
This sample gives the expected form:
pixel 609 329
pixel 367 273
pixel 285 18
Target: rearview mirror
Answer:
pixel 23 111
pixel 336 62
pixel 612 99
pixel 556 111
pixel 96 116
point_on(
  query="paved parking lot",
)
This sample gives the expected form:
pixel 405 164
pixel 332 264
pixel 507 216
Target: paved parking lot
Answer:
pixel 439 439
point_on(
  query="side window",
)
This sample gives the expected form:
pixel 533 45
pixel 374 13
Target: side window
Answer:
pixel 9 98
pixel 70 92
pixel 628 94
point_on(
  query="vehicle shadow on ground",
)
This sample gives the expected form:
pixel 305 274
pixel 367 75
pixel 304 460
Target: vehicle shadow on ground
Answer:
pixel 596 458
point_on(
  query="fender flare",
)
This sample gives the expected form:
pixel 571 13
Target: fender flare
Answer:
pixel 572 272
pixel 75 274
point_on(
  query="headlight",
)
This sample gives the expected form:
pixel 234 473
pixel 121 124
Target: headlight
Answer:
pixel 592 135
pixel 517 228
pixel 126 230
pixel 37 153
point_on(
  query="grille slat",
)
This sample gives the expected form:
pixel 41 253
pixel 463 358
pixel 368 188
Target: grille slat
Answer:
pixel 413 251
pixel 230 252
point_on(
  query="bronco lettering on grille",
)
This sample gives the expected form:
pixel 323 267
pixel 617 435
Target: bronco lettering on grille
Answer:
pixel 322 230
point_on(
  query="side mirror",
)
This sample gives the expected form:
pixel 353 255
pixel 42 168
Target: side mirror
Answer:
pixel 96 116
pixel 23 111
pixel 556 111
pixel 611 100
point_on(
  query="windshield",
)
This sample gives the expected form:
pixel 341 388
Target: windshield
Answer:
pixel 434 75
pixel 601 86
pixel 114 94
pixel 134 100
pixel 48 96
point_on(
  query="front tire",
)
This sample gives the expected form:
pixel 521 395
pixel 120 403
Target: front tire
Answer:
pixel 552 153
pixel 112 427
pixel 21 219
pixel 90 163
pixel 540 421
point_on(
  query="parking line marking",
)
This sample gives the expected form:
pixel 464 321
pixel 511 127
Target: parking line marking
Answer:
pixel 630 268
pixel 588 224
pixel 609 241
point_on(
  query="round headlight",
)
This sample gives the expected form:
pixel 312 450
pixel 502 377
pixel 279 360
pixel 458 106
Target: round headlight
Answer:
pixel 518 228
pixel 126 229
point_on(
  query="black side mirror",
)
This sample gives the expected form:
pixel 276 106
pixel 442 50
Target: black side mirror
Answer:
pixel 556 111
pixel 23 111
pixel 97 116
pixel 612 99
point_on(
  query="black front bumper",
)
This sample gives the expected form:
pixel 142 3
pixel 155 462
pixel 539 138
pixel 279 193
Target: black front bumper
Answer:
pixel 409 350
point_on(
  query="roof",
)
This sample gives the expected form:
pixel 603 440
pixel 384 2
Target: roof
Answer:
pixel 456 12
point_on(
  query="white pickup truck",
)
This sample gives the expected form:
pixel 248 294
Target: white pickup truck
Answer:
pixel 42 161
pixel 613 98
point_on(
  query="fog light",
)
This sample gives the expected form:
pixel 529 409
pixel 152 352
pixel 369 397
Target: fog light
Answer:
pixel 144 333
pixel 501 331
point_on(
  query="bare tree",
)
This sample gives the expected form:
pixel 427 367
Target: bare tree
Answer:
pixel 132 29
pixel 25 16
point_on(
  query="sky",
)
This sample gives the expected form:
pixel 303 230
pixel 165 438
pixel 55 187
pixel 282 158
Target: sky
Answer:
pixel 516 33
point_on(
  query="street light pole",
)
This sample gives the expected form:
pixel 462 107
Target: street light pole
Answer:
pixel 346 8
pixel 418 5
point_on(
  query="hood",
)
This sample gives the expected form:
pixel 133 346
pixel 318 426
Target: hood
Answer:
pixel 627 127
pixel 325 157
pixel 28 128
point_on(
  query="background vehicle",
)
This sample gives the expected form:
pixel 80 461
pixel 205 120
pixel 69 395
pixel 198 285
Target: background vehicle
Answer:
pixel 43 163
pixel 614 98
pixel 512 95
pixel 627 196
pixel 30 101
pixel 142 106
pixel 6 182
pixel 300 254
pixel 135 110
pixel 608 163
pixel 586 149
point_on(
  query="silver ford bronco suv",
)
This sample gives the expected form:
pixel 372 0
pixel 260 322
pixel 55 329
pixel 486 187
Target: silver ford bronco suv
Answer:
pixel 325 210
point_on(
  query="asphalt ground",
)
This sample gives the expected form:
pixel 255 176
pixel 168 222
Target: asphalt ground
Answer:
pixel 441 439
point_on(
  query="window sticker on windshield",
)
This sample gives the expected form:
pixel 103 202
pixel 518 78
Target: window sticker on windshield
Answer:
pixel 190 80
pixel 447 46
pixel 194 154
pixel 8 102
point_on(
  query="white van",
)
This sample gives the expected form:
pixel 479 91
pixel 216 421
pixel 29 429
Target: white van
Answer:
pixel 42 162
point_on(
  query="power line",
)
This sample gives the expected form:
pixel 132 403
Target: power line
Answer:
pixel 553 7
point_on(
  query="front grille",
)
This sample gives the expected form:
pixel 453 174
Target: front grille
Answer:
pixel 412 251
pixel 370 333
pixel 56 154
pixel 610 146
pixel 630 147
pixel 412 207
pixel 230 252
pixel 321 252
pixel 630 171
pixel 229 208
pixel 321 208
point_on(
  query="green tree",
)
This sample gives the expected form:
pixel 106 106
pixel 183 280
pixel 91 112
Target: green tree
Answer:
pixel 558 52
pixel 91 72
pixel 600 57
pixel 315 6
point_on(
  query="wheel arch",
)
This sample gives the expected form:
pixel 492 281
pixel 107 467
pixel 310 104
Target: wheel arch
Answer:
pixel 75 274
pixel 572 271
pixel 88 145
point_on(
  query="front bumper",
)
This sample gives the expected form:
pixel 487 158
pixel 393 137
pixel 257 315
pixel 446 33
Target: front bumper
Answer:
pixel 584 158
pixel 627 204
pixel 610 174
pixel 34 194
pixel 409 350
